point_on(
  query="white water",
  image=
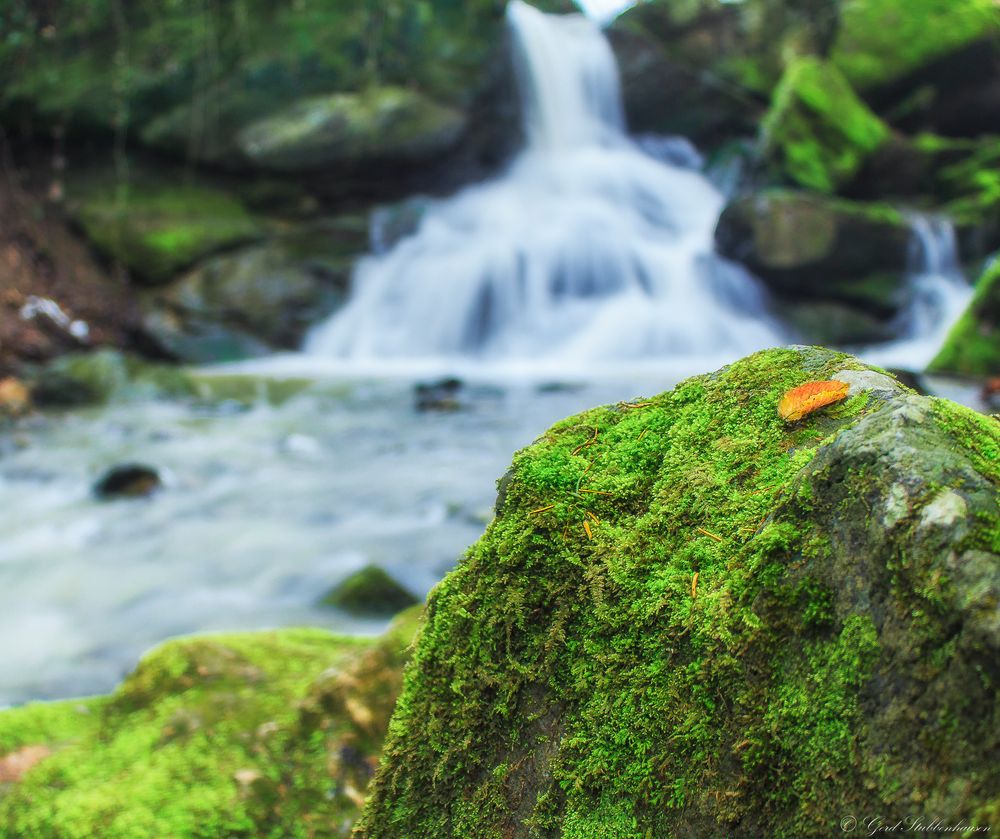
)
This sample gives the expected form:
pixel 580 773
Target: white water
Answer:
pixel 937 295
pixel 587 251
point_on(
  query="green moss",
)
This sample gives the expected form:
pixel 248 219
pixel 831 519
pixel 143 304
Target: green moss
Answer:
pixel 881 41
pixel 817 129
pixel 213 736
pixel 575 676
pixel 156 229
pixel 972 348
pixel 81 379
pixel 370 591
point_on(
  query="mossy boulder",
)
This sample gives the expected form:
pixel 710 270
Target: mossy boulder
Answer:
pixel 973 346
pixel 155 228
pixel 884 41
pixel 370 591
pixel 691 618
pixel 83 379
pixel 253 300
pixel 818 133
pixel 808 248
pixel 269 734
pixel 378 123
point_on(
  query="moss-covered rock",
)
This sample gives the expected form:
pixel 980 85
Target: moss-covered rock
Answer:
pixel 809 248
pixel 818 132
pixel 81 379
pixel 259 298
pixel 155 228
pixel 973 346
pixel 270 734
pixel 691 618
pixel 883 41
pixel 378 123
pixel 370 591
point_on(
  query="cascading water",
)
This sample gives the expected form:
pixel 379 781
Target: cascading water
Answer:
pixel 938 293
pixel 586 250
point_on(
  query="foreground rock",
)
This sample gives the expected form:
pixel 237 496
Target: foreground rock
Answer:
pixel 713 622
pixel 973 346
pixel 259 734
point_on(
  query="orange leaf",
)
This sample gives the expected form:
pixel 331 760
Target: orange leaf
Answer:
pixel 812 396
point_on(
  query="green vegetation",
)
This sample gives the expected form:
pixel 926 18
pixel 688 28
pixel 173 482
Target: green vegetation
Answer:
pixel 267 734
pixel 973 346
pixel 881 41
pixel 670 627
pixel 155 229
pixel 818 131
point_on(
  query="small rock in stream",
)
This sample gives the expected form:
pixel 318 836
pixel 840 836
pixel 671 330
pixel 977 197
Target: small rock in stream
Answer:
pixel 132 480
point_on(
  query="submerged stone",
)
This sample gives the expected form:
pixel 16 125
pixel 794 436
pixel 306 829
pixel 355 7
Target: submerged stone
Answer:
pixel 131 480
pixel 370 591
pixel 708 622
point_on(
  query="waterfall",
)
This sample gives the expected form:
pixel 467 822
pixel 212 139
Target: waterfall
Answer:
pixel 588 249
pixel 937 295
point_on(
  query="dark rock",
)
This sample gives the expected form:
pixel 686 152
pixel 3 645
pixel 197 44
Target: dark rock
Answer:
pixel 442 395
pixel 131 480
pixel 807 247
pixel 370 591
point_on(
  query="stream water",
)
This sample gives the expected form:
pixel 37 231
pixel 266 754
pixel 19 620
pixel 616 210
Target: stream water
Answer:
pixel 585 274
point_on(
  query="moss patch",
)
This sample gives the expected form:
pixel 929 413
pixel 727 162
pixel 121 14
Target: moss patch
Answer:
pixel 679 623
pixel 819 132
pixel 156 229
pixel 266 734
pixel 881 41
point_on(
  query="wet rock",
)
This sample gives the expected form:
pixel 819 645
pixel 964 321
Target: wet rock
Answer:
pixel 443 395
pixel 766 626
pixel 370 591
pixel 257 299
pixel 131 480
pixel 807 248
pixel 80 379
pixel 378 123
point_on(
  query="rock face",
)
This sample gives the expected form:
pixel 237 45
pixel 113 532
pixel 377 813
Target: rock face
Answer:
pixel 835 267
pixel 257 734
pixel 377 124
pixel 973 347
pixel 709 621
pixel 252 300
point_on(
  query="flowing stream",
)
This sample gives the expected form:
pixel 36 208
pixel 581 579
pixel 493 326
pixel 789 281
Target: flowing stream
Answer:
pixel 586 251
pixel 584 274
pixel 938 294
